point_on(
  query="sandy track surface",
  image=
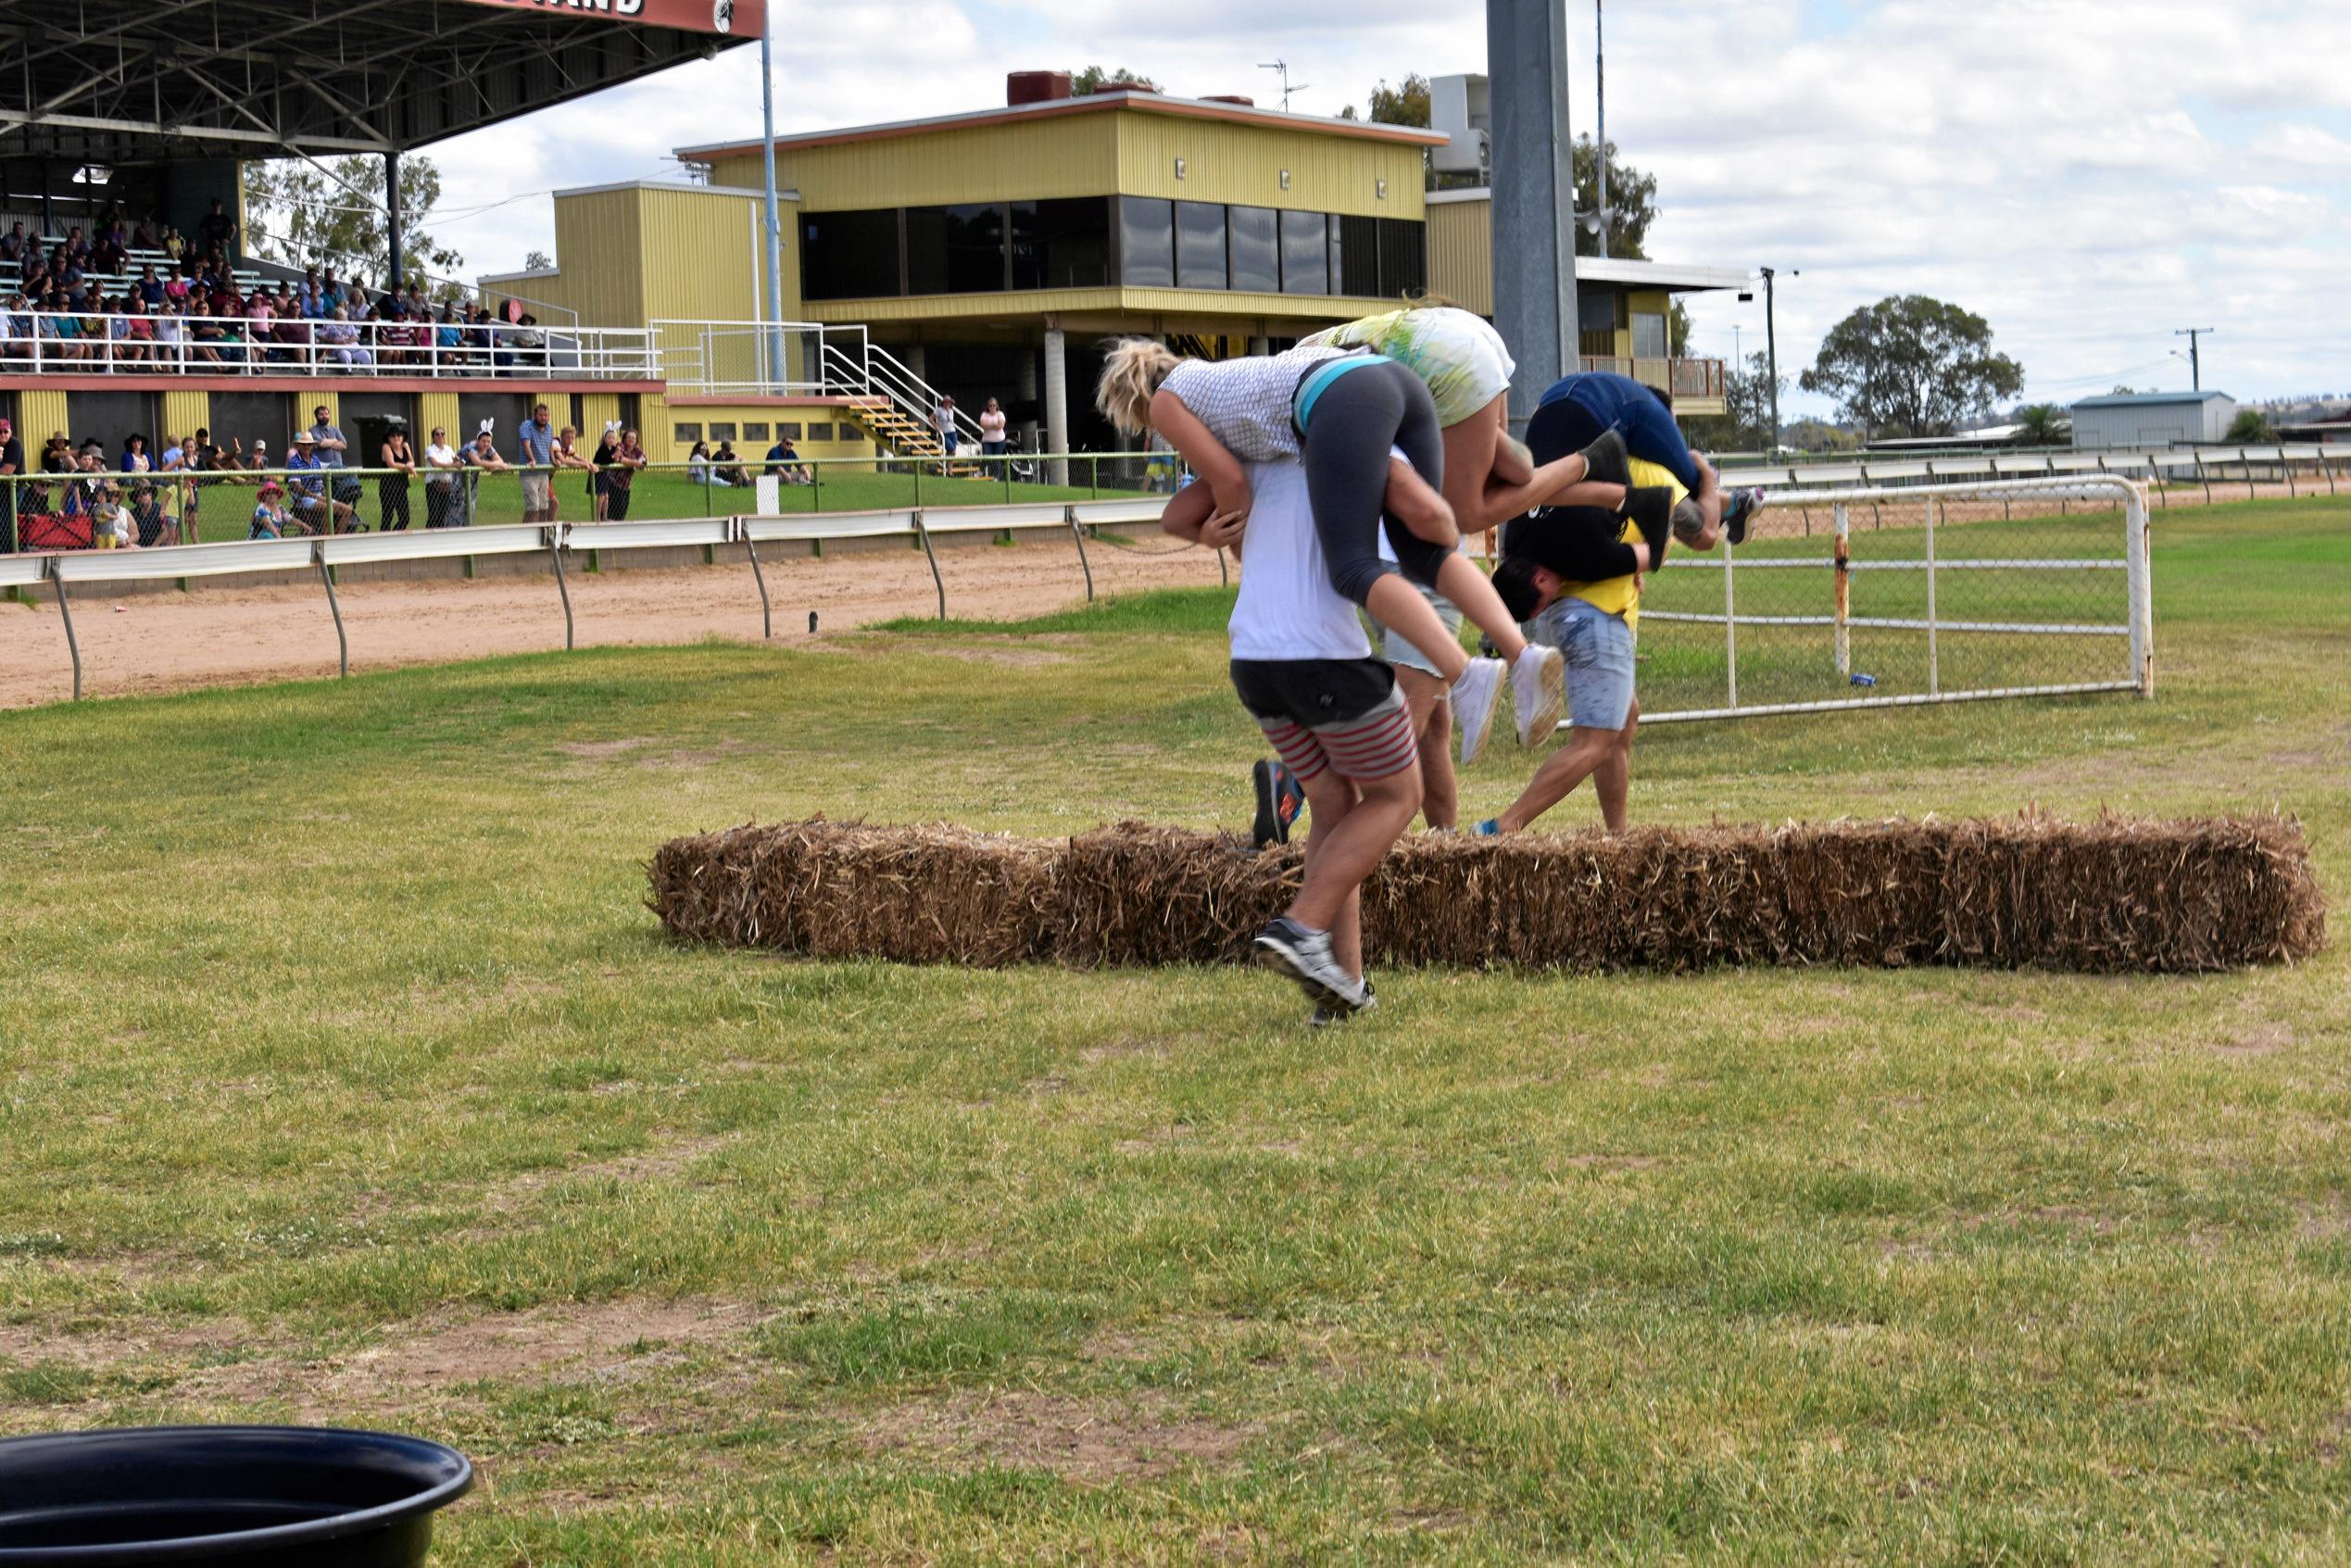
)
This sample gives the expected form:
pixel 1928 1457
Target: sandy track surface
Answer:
pixel 170 642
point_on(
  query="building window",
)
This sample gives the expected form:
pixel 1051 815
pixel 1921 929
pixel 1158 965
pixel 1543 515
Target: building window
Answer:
pixel 850 254
pixel 1648 334
pixel 1256 250
pixel 1305 252
pixel 1146 243
pixel 789 430
pixel 723 433
pixel 685 436
pixel 1200 245
pixel 1356 257
pixel 1062 244
pixel 820 433
pixel 955 249
pixel 755 432
pixel 1404 262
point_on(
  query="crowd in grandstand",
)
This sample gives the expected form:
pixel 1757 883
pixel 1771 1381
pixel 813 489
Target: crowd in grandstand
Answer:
pixel 146 296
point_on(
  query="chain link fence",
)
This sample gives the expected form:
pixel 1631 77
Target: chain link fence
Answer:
pixel 1887 598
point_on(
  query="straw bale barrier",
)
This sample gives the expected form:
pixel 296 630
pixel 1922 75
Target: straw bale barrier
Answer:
pixel 2115 894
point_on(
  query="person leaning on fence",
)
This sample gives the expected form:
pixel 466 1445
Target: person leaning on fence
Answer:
pixel 440 484
pixel 608 447
pixel 568 456
pixel 318 505
pixel 479 458
pixel 534 450
pixel 398 460
pixel 11 471
pixel 628 460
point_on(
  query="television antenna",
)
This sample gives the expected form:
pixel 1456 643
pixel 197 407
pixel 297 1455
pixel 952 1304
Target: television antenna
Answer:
pixel 1283 67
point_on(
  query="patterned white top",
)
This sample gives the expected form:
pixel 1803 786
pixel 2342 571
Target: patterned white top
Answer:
pixel 1245 403
pixel 1462 357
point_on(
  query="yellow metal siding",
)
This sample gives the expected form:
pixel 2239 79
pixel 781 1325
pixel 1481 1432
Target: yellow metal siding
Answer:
pixel 1074 156
pixel 597 410
pixel 185 413
pixel 1461 254
pixel 41 413
pixel 1224 162
pixel 436 411
pixel 599 241
pixel 701 256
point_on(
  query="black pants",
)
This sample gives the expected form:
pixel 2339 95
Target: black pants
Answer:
pixel 616 506
pixel 1355 421
pixel 1581 544
pixel 7 518
pixel 436 504
pixel 392 497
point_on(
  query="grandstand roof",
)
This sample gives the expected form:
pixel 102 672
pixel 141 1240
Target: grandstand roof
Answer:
pixel 132 81
pixel 1105 101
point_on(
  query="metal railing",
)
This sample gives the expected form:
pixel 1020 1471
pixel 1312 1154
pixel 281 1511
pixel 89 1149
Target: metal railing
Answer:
pixel 1682 378
pixel 104 342
pixel 1947 593
pixel 2213 470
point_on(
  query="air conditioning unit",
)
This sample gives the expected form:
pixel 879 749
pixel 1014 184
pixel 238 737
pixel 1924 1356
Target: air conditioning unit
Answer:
pixel 1457 107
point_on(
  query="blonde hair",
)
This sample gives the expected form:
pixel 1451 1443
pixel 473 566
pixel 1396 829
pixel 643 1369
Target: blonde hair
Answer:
pixel 1132 370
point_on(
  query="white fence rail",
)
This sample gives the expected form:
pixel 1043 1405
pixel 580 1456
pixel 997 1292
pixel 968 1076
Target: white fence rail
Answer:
pixel 135 343
pixel 2208 467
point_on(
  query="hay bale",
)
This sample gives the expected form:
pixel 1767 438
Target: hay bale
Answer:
pixel 2114 894
pixel 912 895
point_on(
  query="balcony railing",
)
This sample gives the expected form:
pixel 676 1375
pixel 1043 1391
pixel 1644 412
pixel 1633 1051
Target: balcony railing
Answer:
pixel 1681 378
pixel 48 343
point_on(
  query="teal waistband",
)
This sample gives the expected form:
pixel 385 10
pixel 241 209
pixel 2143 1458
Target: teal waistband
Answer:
pixel 1301 406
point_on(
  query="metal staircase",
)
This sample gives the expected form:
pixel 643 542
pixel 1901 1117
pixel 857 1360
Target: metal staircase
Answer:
pixel 893 404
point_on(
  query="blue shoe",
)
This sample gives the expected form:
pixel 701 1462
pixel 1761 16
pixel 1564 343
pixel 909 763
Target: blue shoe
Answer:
pixel 1279 799
pixel 1489 828
pixel 1740 506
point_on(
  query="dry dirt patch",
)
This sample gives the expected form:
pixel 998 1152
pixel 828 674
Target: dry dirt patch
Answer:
pixel 1076 1439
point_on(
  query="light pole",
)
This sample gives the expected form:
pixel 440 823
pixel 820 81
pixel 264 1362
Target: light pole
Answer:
pixel 1771 352
pixel 2195 370
pixel 774 224
pixel 1600 107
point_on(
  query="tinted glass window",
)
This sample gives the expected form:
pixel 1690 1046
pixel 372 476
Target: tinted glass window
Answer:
pixel 1200 245
pixel 1358 259
pixel 1403 268
pixel 955 249
pixel 848 255
pixel 1256 250
pixel 1147 243
pixel 1305 253
pixel 1062 244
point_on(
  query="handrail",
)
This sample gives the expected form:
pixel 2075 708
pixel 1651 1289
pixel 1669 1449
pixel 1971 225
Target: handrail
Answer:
pixel 108 343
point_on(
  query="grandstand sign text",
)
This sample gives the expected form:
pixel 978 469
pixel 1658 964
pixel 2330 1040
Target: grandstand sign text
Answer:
pixel 736 18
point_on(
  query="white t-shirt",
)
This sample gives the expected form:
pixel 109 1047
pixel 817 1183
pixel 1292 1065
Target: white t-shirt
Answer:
pixel 440 455
pixel 1287 609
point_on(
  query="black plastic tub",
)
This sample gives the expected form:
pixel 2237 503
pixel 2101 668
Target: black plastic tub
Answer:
pixel 226 1496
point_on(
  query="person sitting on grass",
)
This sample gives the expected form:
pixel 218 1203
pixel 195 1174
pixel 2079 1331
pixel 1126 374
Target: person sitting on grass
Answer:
pixel 1304 672
pixel 270 519
pixel 783 462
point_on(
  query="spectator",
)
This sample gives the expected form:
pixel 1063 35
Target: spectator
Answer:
pixel 608 448
pixel 332 451
pixel 134 454
pixel 214 231
pixel 153 525
pixel 628 461
pixel 727 469
pixel 530 345
pixel 479 458
pixel 308 479
pixel 991 424
pixel 943 424
pixel 568 456
pixel 11 473
pixel 170 333
pixel 173 245
pixel 17 331
pixel 440 485
pixel 698 463
pixel 342 341
pixel 270 520
pixel 534 449
pixel 392 486
pixel 12 245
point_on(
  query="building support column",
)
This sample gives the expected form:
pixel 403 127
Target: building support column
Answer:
pixel 1056 401
pixel 1534 199
pixel 394 237
pixel 1025 389
pixel 915 361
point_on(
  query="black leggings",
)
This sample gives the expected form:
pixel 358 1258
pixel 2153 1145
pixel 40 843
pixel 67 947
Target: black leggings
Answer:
pixel 392 497
pixel 1357 418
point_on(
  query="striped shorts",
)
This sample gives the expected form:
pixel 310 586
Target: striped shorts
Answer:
pixel 1341 715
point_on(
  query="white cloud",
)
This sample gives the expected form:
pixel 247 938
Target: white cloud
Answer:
pixel 2086 181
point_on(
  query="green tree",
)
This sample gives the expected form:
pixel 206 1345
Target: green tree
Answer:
pixel 2251 425
pixel 1094 79
pixel 308 217
pixel 1909 365
pixel 1632 198
pixel 1404 104
pixel 538 261
pixel 2043 424
pixel 1819 435
pixel 1745 423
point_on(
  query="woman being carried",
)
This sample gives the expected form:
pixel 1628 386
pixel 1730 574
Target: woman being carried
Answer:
pixel 1344 416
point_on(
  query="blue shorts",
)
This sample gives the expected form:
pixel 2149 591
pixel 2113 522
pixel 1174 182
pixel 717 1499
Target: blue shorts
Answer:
pixel 1622 404
pixel 1598 648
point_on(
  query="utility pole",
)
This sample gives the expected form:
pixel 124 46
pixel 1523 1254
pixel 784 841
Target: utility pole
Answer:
pixel 775 367
pixel 1534 185
pixel 1287 89
pixel 1600 105
pixel 2195 370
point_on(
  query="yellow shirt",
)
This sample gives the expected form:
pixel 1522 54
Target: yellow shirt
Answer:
pixel 1621 595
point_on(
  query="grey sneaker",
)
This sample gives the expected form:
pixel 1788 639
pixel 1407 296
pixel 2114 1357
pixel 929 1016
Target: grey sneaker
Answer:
pixel 1539 685
pixel 1474 696
pixel 1737 512
pixel 1605 461
pixel 1304 954
pixel 1325 1015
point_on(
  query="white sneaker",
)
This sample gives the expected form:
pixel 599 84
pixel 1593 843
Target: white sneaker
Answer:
pixel 1304 954
pixel 1539 685
pixel 1476 695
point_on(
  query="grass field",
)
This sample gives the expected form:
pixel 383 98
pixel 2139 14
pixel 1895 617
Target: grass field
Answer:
pixel 343 1077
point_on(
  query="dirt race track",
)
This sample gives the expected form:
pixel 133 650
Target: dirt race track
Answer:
pixel 161 642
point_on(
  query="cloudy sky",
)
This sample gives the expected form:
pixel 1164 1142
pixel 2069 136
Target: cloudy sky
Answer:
pixel 2087 174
